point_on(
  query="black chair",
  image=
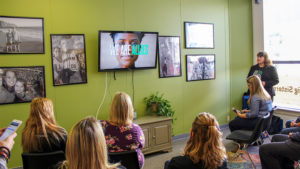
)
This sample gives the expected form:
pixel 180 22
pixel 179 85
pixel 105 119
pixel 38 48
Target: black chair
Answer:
pixel 247 137
pixel 268 124
pixel 128 159
pixel 42 160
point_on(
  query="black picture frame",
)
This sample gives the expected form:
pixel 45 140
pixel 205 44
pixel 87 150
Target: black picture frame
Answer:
pixel 21 35
pixel 199 35
pixel 169 56
pixel 200 69
pixel 69 65
pixel 21 84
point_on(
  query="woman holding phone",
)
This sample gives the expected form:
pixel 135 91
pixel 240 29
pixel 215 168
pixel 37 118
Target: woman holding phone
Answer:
pixel 41 133
pixel 260 105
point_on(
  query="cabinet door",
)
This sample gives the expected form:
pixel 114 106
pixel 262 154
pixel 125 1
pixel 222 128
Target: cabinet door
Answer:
pixel 161 134
pixel 146 131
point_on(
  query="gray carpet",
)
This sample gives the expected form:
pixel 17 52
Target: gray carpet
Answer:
pixel 157 160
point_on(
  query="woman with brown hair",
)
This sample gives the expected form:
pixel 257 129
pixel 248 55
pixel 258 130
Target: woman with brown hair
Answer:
pixel 86 147
pixel 266 72
pixel 121 133
pixel 260 105
pixel 41 133
pixel 204 148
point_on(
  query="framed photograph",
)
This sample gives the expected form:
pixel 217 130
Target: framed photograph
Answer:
pixel 200 67
pixel 199 35
pixel 68 59
pixel 21 35
pixel 21 84
pixel 169 56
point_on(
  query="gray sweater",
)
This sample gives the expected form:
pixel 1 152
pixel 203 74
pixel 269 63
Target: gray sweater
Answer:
pixel 2 163
pixel 259 107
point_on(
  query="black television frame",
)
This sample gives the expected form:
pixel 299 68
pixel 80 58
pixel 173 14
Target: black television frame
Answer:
pixel 122 69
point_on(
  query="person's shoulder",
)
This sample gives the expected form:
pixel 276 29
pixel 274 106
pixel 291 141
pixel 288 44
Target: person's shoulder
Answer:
pixel 255 97
pixel 184 160
pixel 255 66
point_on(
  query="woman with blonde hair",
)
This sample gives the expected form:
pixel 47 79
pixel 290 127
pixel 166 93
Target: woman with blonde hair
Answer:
pixel 204 148
pixel 260 105
pixel 41 133
pixel 121 133
pixel 86 147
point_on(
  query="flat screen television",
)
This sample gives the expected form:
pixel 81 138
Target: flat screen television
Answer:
pixel 124 50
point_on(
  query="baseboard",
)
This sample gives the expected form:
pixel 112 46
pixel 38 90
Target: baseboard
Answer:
pixel 186 135
pixel 18 168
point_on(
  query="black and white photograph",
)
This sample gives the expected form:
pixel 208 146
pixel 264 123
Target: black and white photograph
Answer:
pixel 200 67
pixel 21 84
pixel 169 56
pixel 68 59
pixel 21 35
pixel 199 35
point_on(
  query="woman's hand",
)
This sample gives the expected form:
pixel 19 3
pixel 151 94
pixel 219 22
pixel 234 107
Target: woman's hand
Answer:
pixel 241 115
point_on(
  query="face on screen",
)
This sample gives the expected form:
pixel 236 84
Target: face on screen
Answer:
pixel 122 41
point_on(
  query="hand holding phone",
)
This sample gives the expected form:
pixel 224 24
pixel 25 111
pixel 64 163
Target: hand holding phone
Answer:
pixel 14 125
pixel 235 110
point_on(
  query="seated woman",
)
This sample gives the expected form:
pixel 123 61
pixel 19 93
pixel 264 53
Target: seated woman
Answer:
pixel 281 153
pixel 204 148
pixel 121 133
pixel 86 147
pixel 260 105
pixel 41 133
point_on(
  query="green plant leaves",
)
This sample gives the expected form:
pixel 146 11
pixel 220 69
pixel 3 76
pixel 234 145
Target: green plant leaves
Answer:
pixel 163 106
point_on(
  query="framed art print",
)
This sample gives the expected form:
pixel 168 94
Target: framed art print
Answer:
pixel 169 56
pixel 21 35
pixel 68 59
pixel 199 35
pixel 21 84
pixel 200 67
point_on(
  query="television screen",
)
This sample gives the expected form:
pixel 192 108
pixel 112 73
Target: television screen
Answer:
pixel 119 50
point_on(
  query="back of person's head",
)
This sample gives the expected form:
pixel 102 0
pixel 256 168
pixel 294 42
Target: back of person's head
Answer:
pixel 264 54
pixel 256 87
pixel 205 142
pixel 121 110
pixel 86 146
pixel 41 121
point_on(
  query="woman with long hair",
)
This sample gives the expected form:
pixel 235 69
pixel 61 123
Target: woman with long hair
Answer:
pixel 86 147
pixel 121 133
pixel 266 71
pixel 204 148
pixel 260 105
pixel 41 133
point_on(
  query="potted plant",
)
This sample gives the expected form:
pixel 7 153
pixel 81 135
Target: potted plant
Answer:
pixel 155 103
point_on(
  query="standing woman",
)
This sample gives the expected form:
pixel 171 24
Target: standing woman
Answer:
pixel 204 148
pixel 266 71
pixel 86 147
pixel 121 133
pixel 41 133
pixel 260 105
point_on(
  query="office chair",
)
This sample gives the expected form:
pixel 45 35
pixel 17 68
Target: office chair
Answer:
pixel 128 159
pixel 42 160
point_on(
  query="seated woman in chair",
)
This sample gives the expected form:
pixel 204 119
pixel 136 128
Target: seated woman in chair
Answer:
pixel 260 105
pixel 204 148
pixel 86 147
pixel 121 133
pixel 41 134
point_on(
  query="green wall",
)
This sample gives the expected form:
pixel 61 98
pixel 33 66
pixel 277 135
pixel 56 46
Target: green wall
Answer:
pixel 232 21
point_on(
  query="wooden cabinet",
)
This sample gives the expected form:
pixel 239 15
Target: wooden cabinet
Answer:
pixel 158 133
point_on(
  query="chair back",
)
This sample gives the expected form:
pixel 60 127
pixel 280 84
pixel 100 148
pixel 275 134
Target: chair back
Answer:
pixel 42 160
pixel 268 123
pixel 128 159
pixel 259 128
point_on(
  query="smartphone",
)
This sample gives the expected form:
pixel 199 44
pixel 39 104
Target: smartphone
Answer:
pixel 235 110
pixel 14 125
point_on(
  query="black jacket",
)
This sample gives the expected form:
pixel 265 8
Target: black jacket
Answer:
pixel 182 162
pixel 268 75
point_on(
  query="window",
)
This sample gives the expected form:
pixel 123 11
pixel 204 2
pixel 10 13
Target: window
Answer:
pixel 281 41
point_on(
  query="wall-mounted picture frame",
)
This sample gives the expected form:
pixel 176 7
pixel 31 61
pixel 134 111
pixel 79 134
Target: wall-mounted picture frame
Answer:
pixel 169 56
pixel 21 35
pixel 68 59
pixel 199 35
pixel 21 84
pixel 200 67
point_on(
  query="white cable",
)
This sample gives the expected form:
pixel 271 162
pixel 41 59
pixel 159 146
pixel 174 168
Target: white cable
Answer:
pixel 103 96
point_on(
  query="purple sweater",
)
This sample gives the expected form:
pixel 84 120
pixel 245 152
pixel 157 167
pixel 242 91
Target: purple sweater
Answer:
pixel 124 138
